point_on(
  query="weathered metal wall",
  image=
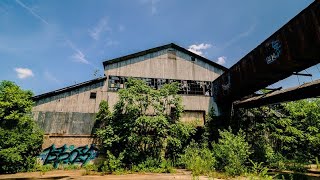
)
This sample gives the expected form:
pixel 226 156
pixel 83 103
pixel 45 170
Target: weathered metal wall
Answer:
pixel 294 47
pixel 73 100
pixel 65 123
pixel 160 65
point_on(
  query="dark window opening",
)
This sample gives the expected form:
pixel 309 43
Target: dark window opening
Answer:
pixel 188 87
pixel 93 95
pixel 193 59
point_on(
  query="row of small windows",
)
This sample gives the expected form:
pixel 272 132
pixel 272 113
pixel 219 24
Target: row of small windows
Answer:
pixel 186 86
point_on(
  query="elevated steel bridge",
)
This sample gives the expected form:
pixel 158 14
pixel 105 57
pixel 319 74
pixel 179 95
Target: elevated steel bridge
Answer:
pixel 293 48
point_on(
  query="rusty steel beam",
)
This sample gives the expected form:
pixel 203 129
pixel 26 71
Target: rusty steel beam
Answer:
pixel 293 48
pixel 307 90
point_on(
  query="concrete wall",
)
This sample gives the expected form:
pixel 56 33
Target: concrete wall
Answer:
pixel 65 123
pixel 76 140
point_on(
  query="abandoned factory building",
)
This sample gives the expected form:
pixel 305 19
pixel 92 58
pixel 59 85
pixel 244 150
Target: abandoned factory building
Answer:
pixel 71 110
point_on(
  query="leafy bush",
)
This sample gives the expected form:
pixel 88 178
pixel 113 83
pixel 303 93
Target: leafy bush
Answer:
pixel 231 152
pixel 199 160
pixel 179 137
pixel 112 163
pixel 141 127
pixel 258 169
pixel 21 139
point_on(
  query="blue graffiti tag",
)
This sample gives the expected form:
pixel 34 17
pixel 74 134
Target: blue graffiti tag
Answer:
pixel 275 51
pixel 71 155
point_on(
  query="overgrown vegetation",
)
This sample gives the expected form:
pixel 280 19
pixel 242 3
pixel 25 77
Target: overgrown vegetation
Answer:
pixel 141 135
pixel 20 138
pixel 283 135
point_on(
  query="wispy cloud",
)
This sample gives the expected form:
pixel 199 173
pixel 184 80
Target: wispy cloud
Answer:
pixel 32 12
pixel 199 48
pixel 101 27
pixel 51 77
pixel 240 36
pixel 23 73
pixel 151 4
pixel 78 55
pixel 221 60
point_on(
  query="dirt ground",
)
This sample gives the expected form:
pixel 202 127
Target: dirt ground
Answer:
pixel 78 174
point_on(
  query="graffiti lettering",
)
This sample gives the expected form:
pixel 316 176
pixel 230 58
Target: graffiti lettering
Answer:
pixel 274 49
pixel 65 154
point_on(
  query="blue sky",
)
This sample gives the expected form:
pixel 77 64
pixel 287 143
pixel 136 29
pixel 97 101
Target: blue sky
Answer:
pixel 46 45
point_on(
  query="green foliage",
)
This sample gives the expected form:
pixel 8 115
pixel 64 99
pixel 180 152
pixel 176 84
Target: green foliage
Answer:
pixel 144 125
pixel 179 137
pixel 283 132
pixel 200 160
pixel 154 166
pixel 89 168
pixel 232 152
pixel 112 163
pixel 259 170
pixel 21 139
pixel 45 168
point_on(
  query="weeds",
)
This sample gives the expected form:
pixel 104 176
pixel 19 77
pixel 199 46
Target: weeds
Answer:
pixel 198 160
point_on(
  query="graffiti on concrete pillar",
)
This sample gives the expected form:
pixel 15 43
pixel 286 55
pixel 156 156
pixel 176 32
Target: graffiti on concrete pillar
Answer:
pixel 273 50
pixel 68 155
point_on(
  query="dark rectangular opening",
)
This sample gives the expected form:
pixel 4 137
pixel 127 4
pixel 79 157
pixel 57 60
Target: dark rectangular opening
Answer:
pixel 93 95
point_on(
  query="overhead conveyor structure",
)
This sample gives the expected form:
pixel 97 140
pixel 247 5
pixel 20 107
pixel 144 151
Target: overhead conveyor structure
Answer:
pixel 293 48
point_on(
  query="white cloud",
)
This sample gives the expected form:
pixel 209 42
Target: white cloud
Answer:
pixel 198 49
pixel 101 27
pixel 221 60
pixel 24 73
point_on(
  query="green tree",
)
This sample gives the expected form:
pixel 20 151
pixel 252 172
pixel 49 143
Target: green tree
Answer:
pixel 144 124
pixel 231 152
pixel 288 131
pixel 21 139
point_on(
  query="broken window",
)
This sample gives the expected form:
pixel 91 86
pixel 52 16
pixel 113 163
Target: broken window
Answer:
pixel 189 87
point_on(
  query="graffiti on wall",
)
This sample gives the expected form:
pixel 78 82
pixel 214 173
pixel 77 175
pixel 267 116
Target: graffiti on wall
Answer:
pixel 273 51
pixel 68 155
